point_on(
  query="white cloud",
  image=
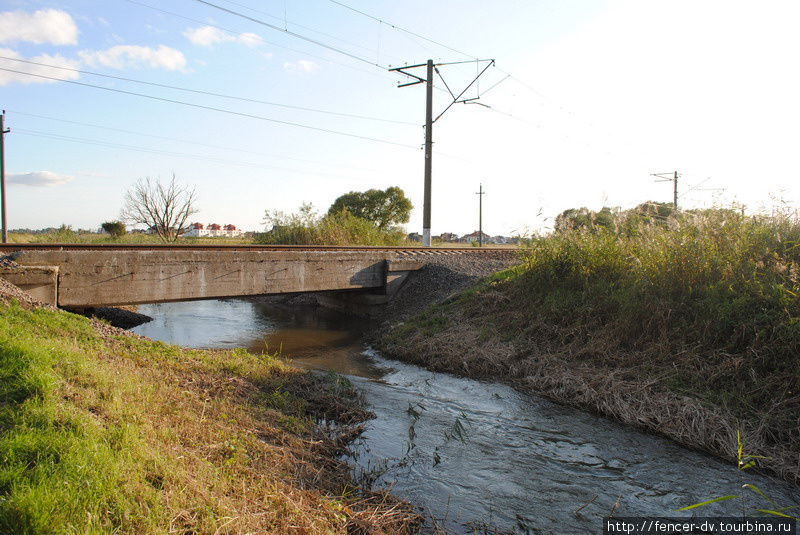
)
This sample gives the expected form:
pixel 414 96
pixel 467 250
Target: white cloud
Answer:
pixel 38 178
pixel 301 66
pixel 58 60
pixel 51 26
pixel 209 35
pixel 127 56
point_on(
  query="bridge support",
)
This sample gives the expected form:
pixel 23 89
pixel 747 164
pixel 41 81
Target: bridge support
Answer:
pixel 366 303
pixel 41 282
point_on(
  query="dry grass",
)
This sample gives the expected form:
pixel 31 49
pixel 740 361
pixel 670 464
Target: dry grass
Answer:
pixel 689 330
pixel 586 375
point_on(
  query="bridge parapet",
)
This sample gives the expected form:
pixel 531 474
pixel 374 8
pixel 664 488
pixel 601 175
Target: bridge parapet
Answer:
pixel 90 276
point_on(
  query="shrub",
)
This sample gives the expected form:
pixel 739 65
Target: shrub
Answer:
pixel 306 227
pixel 115 228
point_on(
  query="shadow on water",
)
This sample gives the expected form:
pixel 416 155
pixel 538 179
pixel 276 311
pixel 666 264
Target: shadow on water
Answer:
pixel 475 454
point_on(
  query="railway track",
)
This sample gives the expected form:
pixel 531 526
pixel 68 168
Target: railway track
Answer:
pixel 491 251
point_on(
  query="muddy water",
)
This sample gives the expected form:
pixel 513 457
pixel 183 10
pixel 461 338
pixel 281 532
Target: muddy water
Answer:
pixel 475 455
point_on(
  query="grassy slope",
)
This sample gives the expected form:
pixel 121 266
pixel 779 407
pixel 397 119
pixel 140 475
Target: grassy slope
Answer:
pixel 112 433
pixel 692 331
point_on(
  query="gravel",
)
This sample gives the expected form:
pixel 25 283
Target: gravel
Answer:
pixel 442 277
pixel 9 292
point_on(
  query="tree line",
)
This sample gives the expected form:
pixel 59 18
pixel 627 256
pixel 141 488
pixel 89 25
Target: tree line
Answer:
pixel 356 217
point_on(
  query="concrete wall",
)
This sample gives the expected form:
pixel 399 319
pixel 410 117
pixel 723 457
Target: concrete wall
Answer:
pixel 41 282
pixel 96 277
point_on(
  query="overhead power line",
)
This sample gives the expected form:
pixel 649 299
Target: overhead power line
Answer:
pixel 207 145
pixel 405 30
pixel 289 32
pixel 235 33
pixel 298 25
pixel 210 93
pixel 196 157
pixel 438 43
pixel 213 108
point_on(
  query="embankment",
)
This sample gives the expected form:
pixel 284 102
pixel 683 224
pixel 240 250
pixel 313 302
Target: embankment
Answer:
pixel 690 331
pixel 105 431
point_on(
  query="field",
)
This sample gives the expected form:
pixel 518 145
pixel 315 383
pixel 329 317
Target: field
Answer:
pixel 69 236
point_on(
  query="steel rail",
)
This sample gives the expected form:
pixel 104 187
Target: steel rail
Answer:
pixel 9 247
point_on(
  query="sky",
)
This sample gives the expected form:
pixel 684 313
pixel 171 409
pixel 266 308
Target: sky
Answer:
pixel 586 99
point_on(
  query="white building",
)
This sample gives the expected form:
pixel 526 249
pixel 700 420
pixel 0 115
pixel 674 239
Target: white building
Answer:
pixel 213 230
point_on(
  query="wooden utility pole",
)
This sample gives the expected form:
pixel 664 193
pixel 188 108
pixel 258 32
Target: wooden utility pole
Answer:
pixel 480 195
pixel 3 133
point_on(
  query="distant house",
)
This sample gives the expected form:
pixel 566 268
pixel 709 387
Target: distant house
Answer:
pixel 448 237
pixel 469 238
pixel 213 230
pixel 231 231
pixel 415 236
pixel 196 230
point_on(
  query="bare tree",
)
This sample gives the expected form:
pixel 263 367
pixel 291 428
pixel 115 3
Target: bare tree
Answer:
pixel 163 208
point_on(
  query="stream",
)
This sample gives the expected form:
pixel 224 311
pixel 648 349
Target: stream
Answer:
pixel 475 457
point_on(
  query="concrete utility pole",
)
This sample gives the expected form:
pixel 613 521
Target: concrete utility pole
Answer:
pixel 426 206
pixel 3 133
pixel 675 191
pixel 480 195
pixel 664 177
pixel 429 120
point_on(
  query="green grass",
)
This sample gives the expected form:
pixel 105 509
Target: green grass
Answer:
pixel 117 434
pixel 62 470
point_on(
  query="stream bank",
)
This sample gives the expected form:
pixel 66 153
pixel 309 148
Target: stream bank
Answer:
pixel 107 431
pixel 491 332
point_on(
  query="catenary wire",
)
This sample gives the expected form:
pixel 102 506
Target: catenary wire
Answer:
pixel 197 157
pixel 211 93
pixel 289 32
pixel 400 28
pixel 213 108
pixel 232 32
pixel 207 145
pixel 293 23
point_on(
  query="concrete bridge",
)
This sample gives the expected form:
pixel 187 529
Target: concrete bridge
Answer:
pixel 103 275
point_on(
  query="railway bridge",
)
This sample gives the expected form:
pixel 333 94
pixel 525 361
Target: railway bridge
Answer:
pixel 78 276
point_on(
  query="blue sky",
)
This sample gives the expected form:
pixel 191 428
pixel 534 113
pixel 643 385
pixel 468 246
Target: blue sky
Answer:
pixel 601 95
